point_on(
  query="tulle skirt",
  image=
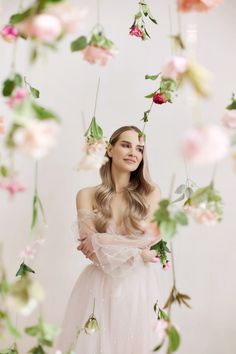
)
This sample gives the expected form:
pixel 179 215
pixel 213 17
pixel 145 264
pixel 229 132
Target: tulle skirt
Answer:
pixel 123 309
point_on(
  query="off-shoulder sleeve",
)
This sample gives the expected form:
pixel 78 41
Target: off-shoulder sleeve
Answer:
pixel 117 254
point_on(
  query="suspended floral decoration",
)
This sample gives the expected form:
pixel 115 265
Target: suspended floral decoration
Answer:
pixel 96 48
pixel 198 5
pixel 138 28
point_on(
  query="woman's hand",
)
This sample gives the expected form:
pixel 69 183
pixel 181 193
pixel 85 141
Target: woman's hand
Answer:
pixel 149 256
pixel 86 246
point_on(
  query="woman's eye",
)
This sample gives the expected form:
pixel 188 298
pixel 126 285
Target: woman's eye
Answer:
pixel 125 145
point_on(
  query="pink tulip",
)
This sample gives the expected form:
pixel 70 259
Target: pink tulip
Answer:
pixel 174 68
pixel 44 27
pixel 18 96
pixel 205 144
pixel 229 119
pixel 198 5
pixel 9 33
pixel 94 54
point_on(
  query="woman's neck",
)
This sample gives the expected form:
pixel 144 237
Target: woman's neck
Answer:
pixel 120 179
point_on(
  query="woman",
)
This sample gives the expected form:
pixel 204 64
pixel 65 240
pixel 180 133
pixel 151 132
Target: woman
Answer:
pixel 119 287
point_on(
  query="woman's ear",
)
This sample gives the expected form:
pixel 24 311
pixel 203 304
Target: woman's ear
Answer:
pixel 109 150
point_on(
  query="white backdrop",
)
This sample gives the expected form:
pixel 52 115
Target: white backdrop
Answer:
pixel 204 256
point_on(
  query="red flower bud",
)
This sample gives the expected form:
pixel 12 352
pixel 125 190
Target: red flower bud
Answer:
pixel 159 98
pixel 136 31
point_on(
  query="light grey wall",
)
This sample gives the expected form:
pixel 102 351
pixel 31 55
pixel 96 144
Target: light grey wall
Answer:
pixel 204 257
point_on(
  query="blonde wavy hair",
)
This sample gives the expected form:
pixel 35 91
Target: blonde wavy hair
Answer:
pixel 140 186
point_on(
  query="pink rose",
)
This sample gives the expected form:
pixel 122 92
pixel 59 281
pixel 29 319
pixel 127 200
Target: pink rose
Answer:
pixel 205 144
pixel 9 33
pixel 136 31
pixel 229 119
pixel 198 5
pixel 159 98
pixel 45 27
pixel 18 96
pixel 94 54
pixel 174 68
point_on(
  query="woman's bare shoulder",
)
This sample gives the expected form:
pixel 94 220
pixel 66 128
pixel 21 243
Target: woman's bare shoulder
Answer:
pixel 85 198
pixel 153 199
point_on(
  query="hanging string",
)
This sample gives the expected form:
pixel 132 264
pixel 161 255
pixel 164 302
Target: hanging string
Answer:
pixel 98 12
pixel 96 99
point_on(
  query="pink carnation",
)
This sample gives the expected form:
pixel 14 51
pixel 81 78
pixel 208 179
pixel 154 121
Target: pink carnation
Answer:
pixel 174 68
pixel 45 27
pixel 18 96
pixel 9 33
pixel 198 5
pixel 229 119
pixel 205 144
pixel 94 54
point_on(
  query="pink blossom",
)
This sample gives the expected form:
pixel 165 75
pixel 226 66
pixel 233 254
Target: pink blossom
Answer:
pixel 159 98
pixel 94 54
pixel 205 144
pixel 167 265
pixel 174 68
pixel 136 31
pixel 2 127
pixel 9 33
pixel 203 215
pixel 198 5
pixel 160 327
pixel 68 15
pixel 29 251
pixel 229 119
pixel 18 96
pixel 12 187
pixel 45 27
pixel 36 138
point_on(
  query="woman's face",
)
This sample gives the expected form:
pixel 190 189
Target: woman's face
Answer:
pixel 127 153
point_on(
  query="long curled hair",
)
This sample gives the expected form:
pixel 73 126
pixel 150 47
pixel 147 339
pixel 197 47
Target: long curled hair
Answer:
pixel 140 185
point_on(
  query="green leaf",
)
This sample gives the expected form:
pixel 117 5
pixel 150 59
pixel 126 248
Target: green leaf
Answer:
pixel 174 339
pixel 35 212
pixel 164 203
pixel 4 171
pixel 43 113
pixel 138 15
pixel 32 331
pixel 159 346
pixel 180 189
pixel 8 87
pixel 12 329
pixel 35 92
pixel 37 350
pixel 23 270
pixel 18 80
pixel 232 105
pixel 168 229
pixel 181 218
pixel 163 315
pixel 19 17
pixel 150 95
pixel 79 44
pixel 152 77
pixel 188 192
pixel 178 199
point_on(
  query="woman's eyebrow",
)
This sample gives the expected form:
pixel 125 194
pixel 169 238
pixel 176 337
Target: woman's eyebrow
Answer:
pixel 128 142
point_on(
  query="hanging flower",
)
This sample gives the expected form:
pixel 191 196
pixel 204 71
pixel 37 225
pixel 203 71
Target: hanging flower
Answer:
pixel 198 5
pixel 18 95
pixel 167 265
pixel 202 215
pixel 94 156
pixel 68 15
pixel 136 31
pixel 91 326
pixel 96 49
pixel 160 328
pixel 44 27
pixel 12 186
pixel 2 126
pixel 205 144
pixel 138 28
pixel 9 33
pixel 229 119
pixel 159 98
pixel 175 68
pixel 36 137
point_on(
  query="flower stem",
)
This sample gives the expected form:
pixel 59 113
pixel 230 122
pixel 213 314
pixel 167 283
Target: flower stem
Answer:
pixel 96 99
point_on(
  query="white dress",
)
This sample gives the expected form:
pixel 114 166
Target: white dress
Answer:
pixel 125 290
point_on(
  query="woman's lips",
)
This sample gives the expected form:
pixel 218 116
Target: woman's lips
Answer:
pixel 129 161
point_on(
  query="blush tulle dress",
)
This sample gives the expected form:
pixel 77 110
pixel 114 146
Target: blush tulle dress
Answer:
pixel 125 290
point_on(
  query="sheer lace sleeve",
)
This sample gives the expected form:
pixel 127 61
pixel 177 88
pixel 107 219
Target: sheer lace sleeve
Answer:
pixel 116 254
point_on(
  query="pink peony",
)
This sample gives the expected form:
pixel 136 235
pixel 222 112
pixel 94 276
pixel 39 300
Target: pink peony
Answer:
pixel 36 138
pixel 160 327
pixel 159 98
pixel 68 15
pixel 205 144
pixel 12 187
pixel 94 54
pixel 45 27
pixel 229 119
pixel 174 68
pixel 18 96
pixel 2 127
pixel 198 5
pixel 136 31
pixel 9 33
